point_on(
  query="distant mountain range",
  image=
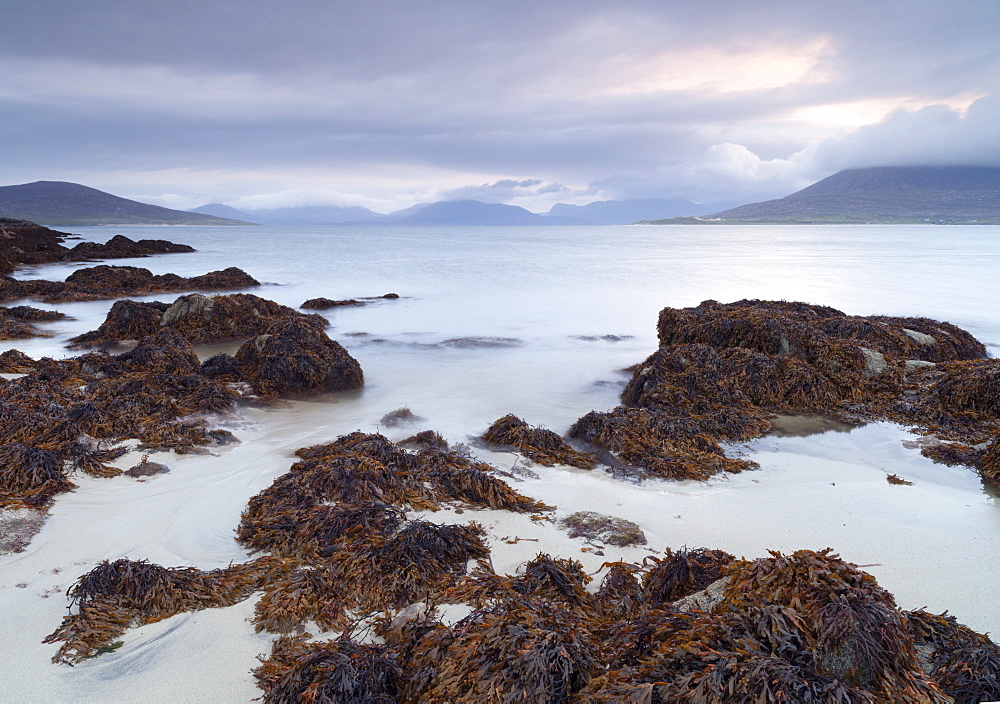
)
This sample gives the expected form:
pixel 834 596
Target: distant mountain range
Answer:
pixel 55 203
pixel 469 212
pixel 939 194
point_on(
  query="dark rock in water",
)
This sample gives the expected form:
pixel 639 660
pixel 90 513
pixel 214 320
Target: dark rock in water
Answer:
pixel 121 247
pixel 105 281
pixel 203 319
pixel 16 323
pixel 296 357
pixel 473 342
pixel 401 416
pixel 325 303
pixel 164 352
pixel 15 362
pixel 199 318
pixel 723 370
pixel 146 469
pixel 220 366
pixel 541 445
pixel 220 436
pixel 127 320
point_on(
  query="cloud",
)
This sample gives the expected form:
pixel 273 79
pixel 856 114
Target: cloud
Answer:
pixel 388 102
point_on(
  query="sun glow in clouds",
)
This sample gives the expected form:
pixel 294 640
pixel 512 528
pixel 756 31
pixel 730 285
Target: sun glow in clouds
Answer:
pixel 860 113
pixel 721 70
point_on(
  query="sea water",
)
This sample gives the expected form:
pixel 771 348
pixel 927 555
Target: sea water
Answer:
pixel 540 322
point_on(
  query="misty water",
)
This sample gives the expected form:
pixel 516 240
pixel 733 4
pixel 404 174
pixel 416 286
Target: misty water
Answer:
pixel 541 321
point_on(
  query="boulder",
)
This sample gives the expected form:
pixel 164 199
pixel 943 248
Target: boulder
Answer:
pixel 296 357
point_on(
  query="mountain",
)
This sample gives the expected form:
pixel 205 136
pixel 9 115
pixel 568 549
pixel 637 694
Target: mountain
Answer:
pixel 469 212
pixel 311 215
pixel 61 203
pixel 624 212
pixel 886 194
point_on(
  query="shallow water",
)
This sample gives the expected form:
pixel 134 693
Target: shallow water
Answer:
pixel 539 322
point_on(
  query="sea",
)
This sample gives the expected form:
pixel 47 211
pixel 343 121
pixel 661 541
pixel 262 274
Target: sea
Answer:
pixel 541 322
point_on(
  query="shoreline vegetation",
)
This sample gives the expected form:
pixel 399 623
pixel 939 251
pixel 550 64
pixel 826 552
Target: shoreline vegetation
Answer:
pixel 414 611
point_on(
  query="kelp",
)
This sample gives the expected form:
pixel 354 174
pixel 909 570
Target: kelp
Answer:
pixel 522 649
pixel 30 476
pixel 661 444
pixel 118 595
pixel 197 317
pixel 544 577
pixel 339 672
pixel 28 243
pixel 681 573
pixel 541 445
pixel 722 370
pixel 295 356
pixel 963 663
pixel 103 282
pixel 15 362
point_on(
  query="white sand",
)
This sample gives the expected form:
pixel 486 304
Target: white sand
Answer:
pixel 932 544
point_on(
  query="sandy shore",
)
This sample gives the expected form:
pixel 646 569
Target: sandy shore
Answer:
pixel 927 543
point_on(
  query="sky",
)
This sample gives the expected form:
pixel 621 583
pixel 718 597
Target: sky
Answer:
pixel 388 103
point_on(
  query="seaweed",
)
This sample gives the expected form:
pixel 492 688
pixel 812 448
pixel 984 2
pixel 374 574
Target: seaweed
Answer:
pixel 115 596
pixel 608 529
pixel 963 663
pixel 681 573
pixel 541 445
pixel 295 357
pixel 338 671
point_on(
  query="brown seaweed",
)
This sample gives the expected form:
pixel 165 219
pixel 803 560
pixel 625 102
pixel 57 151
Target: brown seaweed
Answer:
pixel 541 445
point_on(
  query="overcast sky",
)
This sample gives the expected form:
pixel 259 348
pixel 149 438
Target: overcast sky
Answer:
pixel 385 103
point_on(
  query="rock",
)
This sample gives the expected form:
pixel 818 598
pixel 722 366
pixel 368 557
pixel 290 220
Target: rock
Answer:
pixel 146 469
pixel 127 320
pixel 15 362
pixel 296 357
pixel 541 445
pixel 875 363
pixel 164 352
pixel 706 599
pixel 607 529
pixel 325 303
pixel 202 318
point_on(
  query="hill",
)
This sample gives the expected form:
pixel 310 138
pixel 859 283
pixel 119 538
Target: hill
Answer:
pixel 623 212
pixel 945 194
pixel 61 203
pixel 469 212
pixel 310 215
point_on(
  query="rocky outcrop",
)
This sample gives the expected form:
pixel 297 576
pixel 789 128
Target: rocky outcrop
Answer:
pixel 104 281
pixel 296 357
pixel 722 370
pixel 199 318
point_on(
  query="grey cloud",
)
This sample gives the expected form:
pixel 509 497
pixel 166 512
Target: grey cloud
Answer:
pixel 511 89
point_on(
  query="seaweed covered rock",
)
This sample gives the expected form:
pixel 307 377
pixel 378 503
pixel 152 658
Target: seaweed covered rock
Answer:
pixel 127 320
pixel 806 627
pixel 199 318
pixel 722 370
pixel 17 322
pixel 15 362
pixel 25 242
pixel 541 445
pixel 104 281
pixel 164 352
pixel 810 331
pixel 297 357
pixel 327 303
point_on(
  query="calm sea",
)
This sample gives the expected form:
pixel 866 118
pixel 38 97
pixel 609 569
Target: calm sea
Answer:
pixel 540 321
